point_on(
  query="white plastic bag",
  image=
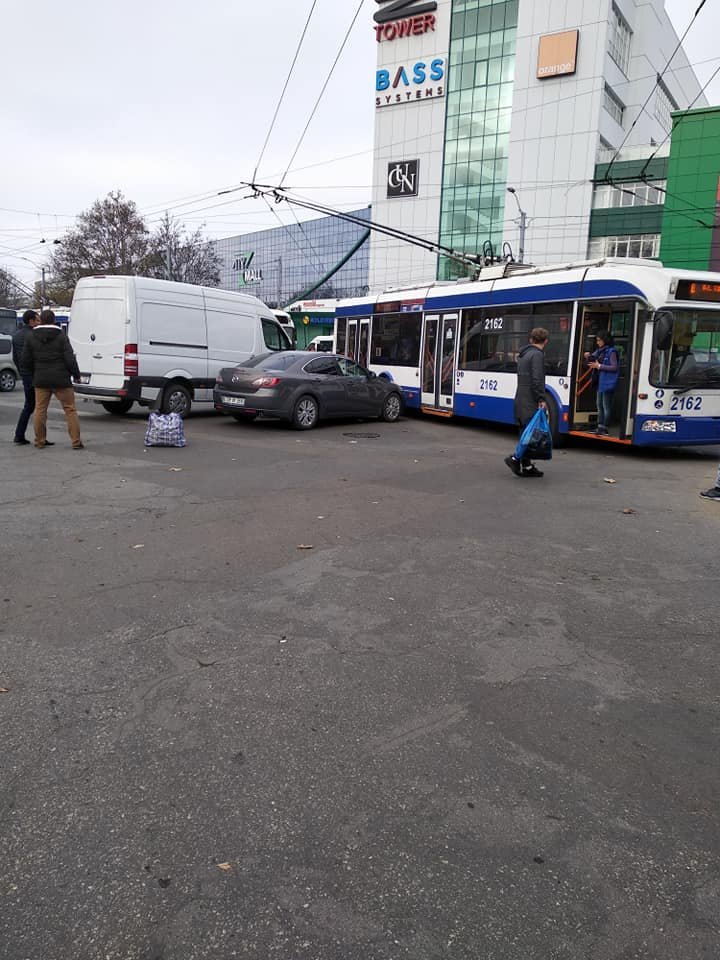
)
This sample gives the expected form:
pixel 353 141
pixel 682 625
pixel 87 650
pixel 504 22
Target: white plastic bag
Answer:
pixel 165 430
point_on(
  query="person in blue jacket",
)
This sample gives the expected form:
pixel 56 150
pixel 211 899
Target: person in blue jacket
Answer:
pixel 606 361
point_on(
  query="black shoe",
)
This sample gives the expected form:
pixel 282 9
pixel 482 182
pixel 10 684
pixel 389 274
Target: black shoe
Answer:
pixel 712 494
pixel 514 465
pixel 21 441
pixel 49 443
pixel 532 471
pixel 80 446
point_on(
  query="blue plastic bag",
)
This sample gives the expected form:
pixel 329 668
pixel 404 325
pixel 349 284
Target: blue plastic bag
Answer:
pixel 536 439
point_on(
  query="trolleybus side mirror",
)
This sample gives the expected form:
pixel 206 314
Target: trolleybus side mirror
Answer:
pixel 662 335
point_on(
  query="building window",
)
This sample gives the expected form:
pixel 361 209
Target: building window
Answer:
pixel 665 103
pixel 613 104
pixel 620 36
pixel 645 245
pixel 638 194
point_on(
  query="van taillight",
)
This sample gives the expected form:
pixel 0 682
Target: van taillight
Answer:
pixel 130 365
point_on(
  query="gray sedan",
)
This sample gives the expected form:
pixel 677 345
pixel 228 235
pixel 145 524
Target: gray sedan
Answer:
pixel 303 388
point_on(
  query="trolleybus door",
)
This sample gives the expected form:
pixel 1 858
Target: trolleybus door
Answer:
pixel 438 360
pixel 363 343
pixel 352 338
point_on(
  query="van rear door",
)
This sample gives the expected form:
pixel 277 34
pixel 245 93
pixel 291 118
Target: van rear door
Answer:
pixel 99 328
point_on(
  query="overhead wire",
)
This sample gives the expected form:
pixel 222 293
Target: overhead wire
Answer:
pixel 652 90
pixel 324 88
pixel 284 89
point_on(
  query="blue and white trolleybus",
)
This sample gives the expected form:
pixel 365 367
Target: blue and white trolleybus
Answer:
pixel 453 346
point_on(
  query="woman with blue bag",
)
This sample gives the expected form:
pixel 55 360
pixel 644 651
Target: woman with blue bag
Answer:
pixel 529 401
pixel 605 364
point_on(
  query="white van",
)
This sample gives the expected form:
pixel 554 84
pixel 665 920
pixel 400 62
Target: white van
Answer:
pixel 161 343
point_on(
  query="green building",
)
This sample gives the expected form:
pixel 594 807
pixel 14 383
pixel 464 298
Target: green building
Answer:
pixel 660 202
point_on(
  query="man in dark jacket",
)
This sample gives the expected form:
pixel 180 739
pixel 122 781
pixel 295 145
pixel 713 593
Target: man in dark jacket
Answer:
pixel 30 321
pixel 50 358
pixel 530 394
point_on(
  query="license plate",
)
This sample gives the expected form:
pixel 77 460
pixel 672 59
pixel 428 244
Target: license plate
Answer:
pixel 234 401
pixel 85 378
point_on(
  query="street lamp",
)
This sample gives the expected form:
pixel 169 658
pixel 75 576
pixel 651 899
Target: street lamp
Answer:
pixel 523 225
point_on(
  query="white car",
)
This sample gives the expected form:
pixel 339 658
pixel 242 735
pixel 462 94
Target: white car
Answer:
pixel 321 344
pixel 8 370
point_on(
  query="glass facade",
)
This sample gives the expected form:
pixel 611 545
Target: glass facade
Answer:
pixel 477 132
pixel 279 265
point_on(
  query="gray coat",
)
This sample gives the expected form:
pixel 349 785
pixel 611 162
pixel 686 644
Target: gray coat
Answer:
pixel 531 382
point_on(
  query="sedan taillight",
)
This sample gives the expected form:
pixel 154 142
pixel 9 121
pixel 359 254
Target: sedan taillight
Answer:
pixel 266 381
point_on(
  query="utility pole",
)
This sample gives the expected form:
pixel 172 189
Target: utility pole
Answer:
pixel 168 272
pixel 279 282
pixel 523 225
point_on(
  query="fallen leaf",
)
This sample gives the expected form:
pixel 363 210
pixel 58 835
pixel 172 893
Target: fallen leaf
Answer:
pixel 224 866
pixel 4 690
pixel 305 546
pixel 138 546
pixel 609 480
pixel 629 510
pixel 174 469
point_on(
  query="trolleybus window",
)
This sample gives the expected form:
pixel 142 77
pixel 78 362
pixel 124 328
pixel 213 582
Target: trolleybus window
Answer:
pixel 492 338
pixel 341 327
pixel 396 339
pixel 686 349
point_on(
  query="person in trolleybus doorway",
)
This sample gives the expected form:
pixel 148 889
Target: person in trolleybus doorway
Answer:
pixel 605 361
pixel 530 394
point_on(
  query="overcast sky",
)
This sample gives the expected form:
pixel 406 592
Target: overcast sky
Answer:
pixel 168 101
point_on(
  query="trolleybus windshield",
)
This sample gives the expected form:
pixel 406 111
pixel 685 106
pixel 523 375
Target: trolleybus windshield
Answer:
pixel 686 349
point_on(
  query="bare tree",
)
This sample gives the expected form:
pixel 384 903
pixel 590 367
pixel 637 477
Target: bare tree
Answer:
pixel 111 237
pixel 190 258
pixel 13 294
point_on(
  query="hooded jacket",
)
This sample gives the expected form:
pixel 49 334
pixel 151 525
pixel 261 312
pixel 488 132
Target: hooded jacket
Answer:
pixel 531 382
pixel 49 358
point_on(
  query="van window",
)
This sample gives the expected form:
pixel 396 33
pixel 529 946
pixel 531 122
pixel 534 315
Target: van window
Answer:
pixel 274 338
pixel 5 345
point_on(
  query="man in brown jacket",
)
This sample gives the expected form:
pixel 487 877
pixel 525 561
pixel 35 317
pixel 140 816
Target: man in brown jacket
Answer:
pixel 51 361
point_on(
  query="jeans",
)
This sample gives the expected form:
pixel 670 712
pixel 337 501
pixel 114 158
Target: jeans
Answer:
pixel 66 396
pixel 29 408
pixel 605 403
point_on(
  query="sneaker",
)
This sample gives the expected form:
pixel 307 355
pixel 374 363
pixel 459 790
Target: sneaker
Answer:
pixel 41 446
pixel 514 465
pixel 712 494
pixel 601 431
pixel 21 441
pixel 532 471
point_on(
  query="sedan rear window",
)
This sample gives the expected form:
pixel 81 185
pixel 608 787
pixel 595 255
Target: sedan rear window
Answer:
pixel 273 361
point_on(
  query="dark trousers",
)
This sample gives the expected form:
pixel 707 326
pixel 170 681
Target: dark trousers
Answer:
pixel 29 408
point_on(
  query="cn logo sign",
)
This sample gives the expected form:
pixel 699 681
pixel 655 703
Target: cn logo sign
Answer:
pixel 396 9
pixel 402 179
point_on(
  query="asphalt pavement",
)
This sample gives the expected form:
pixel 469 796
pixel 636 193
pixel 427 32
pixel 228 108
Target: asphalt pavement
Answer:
pixel 355 694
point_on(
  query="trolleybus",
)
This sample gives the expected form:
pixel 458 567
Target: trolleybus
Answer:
pixel 453 346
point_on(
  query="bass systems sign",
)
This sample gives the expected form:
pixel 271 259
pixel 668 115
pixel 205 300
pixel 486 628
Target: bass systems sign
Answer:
pixel 402 179
pixel 417 81
pixel 404 18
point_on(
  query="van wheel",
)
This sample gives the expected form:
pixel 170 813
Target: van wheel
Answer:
pixel 118 407
pixel 244 417
pixel 7 381
pixel 176 399
pixel 306 413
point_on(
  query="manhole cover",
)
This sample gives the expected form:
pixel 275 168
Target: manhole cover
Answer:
pixel 362 436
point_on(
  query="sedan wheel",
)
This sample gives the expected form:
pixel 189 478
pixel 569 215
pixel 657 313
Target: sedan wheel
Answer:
pixel 391 407
pixel 306 413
